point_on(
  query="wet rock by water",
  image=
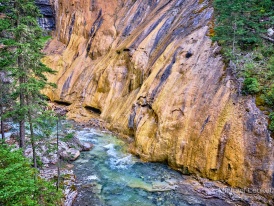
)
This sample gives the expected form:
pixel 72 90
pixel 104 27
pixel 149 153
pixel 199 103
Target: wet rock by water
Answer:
pixel 70 154
pixel 109 176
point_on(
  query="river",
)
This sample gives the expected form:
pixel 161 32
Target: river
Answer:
pixel 109 175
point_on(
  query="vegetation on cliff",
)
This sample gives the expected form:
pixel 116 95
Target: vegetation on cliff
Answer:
pixel 245 31
pixel 19 184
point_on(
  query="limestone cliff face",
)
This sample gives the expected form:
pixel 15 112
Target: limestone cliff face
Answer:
pixel 149 68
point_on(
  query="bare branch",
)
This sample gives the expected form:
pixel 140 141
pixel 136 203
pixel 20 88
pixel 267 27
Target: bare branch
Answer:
pixel 267 38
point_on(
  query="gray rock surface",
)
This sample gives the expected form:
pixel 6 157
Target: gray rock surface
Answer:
pixel 70 154
pixel 47 22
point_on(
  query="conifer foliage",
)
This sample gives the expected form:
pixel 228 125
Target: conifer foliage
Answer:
pixel 22 41
pixel 22 77
pixel 17 185
pixel 242 22
pixel 245 30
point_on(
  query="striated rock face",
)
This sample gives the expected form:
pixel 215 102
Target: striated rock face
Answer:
pixel 150 70
pixel 47 22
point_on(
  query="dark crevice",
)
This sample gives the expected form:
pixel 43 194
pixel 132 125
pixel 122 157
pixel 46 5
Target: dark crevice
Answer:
pixel 72 21
pixel 62 102
pixel 229 167
pixel 132 117
pixel 130 86
pixel 188 54
pixel 205 123
pixel 95 27
pixel 93 109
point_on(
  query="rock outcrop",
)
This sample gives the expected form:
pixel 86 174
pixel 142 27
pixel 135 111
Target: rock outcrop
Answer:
pixel 47 21
pixel 150 70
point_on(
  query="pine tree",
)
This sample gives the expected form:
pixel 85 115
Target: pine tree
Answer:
pixel 240 23
pixel 6 60
pixel 242 29
pixel 28 73
pixel 4 100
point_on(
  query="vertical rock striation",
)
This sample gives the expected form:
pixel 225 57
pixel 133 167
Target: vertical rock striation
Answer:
pixel 150 70
pixel 47 21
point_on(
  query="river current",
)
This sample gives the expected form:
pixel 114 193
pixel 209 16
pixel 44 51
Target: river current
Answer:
pixel 109 176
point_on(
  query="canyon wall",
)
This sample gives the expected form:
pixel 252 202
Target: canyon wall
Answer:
pixel 47 21
pixel 150 70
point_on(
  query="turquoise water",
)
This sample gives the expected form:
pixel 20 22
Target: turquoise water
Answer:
pixel 108 175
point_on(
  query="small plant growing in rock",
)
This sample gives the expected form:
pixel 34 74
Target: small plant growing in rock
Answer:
pixel 271 118
pixel 250 86
pixel 68 137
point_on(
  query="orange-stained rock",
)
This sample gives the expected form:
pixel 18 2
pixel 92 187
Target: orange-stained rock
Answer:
pixel 150 70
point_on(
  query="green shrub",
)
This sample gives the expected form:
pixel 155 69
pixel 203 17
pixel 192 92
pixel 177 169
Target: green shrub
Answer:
pixel 269 98
pixel 267 51
pixel 270 64
pixel 250 86
pixel 18 185
pixel 271 118
pixel 68 137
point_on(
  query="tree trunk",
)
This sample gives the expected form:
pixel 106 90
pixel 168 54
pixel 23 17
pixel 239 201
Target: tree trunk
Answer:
pixel 2 129
pixel 267 38
pixel 58 157
pixel 1 113
pixel 22 128
pixel 31 134
pixel 20 64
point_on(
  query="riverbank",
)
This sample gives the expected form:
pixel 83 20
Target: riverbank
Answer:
pixel 207 189
pixel 188 189
pixel 109 175
pixel 49 159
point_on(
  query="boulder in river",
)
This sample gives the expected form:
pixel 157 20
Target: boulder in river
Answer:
pixel 70 154
pixel 86 146
pixel 79 145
